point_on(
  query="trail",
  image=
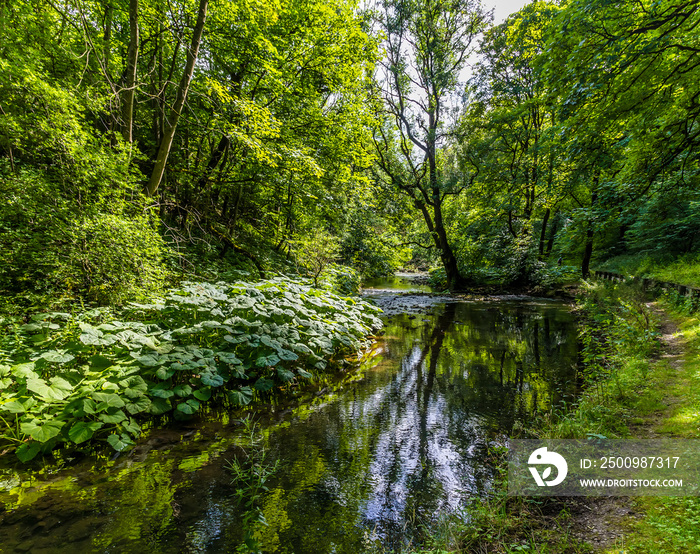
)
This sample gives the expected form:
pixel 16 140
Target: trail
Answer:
pixel 603 522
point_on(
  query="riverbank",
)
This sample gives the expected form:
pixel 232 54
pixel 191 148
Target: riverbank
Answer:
pixel 361 469
pixel 642 381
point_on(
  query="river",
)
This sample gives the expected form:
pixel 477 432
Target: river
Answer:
pixel 367 463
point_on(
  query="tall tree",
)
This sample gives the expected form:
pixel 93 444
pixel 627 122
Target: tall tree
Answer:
pixel 182 90
pixel 427 43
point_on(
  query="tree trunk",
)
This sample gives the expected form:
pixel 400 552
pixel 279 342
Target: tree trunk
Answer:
pixel 169 134
pixel 552 235
pixel 588 249
pixel 543 232
pixel 130 76
pixel 213 162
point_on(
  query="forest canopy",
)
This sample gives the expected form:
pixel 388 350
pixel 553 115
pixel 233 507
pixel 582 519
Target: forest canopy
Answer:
pixel 144 141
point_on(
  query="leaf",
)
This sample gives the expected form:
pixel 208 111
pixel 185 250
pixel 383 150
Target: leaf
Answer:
pixel 228 358
pixel 284 374
pixel 42 431
pixel 80 407
pixel 159 406
pixel 132 428
pixel 263 384
pixel 99 362
pixel 161 390
pixel 183 390
pixel 188 407
pixel 120 442
pixel 57 356
pixel 117 416
pixel 107 400
pixel 212 379
pixel 180 365
pixel 83 431
pixel 138 405
pixel 28 451
pixel 287 355
pixel 241 397
pixel 24 371
pixel 18 406
pixel 134 386
pixel 164 373
pixel 202 394
pixel 304 373
pixel 59 389
pixel 267 361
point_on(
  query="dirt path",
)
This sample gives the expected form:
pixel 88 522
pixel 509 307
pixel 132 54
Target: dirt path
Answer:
pixel 602 522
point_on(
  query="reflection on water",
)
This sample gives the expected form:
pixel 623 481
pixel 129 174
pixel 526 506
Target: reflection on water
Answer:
pixel 374 462
pixel 401 282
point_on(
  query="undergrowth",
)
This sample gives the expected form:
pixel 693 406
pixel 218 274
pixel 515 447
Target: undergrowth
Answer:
pixel 683 270
pixel 618 335
pixel 67 379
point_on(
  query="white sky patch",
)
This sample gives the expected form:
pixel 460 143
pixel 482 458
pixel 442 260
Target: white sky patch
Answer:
pixel 503 8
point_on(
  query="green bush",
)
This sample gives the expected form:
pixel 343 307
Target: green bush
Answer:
pixel 48 246
pixel 341 279
pixel 66 379
pixel 108 258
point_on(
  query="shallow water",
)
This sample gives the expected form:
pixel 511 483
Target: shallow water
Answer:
pixel 373 461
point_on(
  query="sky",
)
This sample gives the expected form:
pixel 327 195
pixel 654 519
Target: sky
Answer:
pixel 503 8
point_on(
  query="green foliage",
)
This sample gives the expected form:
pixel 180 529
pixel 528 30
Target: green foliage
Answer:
pixel 316 252
pixel 684 270
pixel 70 221
pixel 618 337
pixel 341 279
pixel 69 378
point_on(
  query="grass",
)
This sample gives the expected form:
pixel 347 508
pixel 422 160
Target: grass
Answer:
pixel 506 524
pixel 684 270
pixel 633 389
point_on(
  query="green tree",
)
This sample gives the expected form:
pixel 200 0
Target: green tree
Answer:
pixel 427 43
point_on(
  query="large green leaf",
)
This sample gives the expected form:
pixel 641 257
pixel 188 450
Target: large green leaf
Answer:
pixel 241 397
pixel 211 379
pixel 159 406
pixel 188 407
pixel 24 371
pixel 107 400
pixel 228 358
pixel 57 356
pixel 120 442
pixel 284 374
pixel 267 361
pixel 132 428
pixel 183 390
pixel 161 390
pixel 202 394
pixel 134 386
pixel 42 430
pixel 264 384
pixel 113 416
pixel 138 405
pixel 18 406
pixel 83 431
pixel 28 451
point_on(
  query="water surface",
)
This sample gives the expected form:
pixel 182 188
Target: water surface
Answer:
pixel 372 461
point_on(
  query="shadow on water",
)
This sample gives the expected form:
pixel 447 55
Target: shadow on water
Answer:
pixel 371 464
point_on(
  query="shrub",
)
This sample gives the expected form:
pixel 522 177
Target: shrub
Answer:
pixel 67 379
